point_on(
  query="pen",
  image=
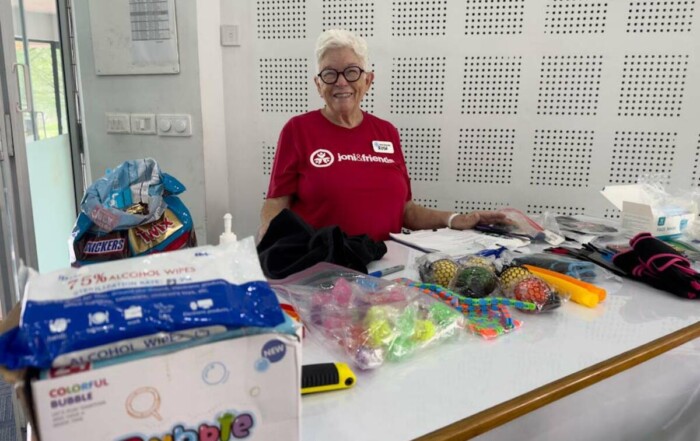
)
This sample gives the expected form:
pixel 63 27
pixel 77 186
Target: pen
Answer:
pixel 387 271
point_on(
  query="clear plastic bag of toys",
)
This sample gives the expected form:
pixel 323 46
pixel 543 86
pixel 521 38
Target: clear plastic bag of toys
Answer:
pixel 470 276
pixel 521 284
pixel 477 277
pixel 487 317
pixel 437 268
pixel 370 320
pixel 470 284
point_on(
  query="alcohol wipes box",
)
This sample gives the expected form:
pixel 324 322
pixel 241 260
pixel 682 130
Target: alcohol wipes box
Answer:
pixel 245 388
pixel 641 215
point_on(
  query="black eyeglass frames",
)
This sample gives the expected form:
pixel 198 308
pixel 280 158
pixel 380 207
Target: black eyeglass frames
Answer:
pixel 351 74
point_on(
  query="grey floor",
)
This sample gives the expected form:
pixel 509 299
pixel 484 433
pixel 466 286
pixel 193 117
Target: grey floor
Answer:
pixel 8 427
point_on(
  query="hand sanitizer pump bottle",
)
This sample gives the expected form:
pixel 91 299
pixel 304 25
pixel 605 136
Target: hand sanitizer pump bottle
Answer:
pixel 227 236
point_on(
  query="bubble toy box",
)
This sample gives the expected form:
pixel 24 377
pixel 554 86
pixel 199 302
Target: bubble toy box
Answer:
pixel 244 388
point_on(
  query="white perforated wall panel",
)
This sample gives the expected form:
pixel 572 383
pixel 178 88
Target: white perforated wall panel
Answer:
pixel 533 104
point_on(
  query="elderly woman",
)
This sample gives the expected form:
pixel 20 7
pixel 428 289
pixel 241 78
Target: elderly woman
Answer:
pixel 342 166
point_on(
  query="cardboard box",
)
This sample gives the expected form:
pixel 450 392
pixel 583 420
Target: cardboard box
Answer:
pixel 245 388
pixel 639 216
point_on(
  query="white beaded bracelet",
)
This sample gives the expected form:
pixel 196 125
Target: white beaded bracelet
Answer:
pixel 450 219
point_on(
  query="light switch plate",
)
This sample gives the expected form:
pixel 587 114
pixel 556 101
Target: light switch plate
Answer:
pixel 229 35
pixel 118 122
pixel 174 125
pixel 143 123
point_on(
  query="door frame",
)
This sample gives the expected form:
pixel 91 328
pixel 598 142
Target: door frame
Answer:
pixel 9 294
pixel 18 168
pixel 66 30
pixel 16 157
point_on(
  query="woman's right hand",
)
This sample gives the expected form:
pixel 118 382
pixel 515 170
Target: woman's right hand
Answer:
pixel 470 220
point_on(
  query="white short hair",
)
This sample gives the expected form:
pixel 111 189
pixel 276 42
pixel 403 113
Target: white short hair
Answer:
pixel 338 39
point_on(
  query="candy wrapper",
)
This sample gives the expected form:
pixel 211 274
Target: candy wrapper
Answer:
pixel 370 320
pixel 133 210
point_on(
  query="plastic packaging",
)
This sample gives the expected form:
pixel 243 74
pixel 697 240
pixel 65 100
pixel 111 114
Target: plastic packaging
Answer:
pixel 580 292
pixel 579 269
pixel 470 276
pixel 665 198
pixel 670 212
pixel 470 285
pixel 474 281
pixel 521 224
pixel 519 283
pixel 487 317
pixel 131 211
pixel 74 309
pixel 369 320
pixel 438 268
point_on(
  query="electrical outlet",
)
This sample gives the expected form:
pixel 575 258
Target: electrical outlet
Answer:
pixel 118 123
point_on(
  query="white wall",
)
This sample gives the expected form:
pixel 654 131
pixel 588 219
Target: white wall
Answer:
pixel 213 118
pixel 179 93
pixel 246 180
pixel 241 96
pixel 534 104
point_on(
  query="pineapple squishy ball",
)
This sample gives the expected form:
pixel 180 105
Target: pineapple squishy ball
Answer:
pixel 442 271
pixel 513 275
pixel 477 261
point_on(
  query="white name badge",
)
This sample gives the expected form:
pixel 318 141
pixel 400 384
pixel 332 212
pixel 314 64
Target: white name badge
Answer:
pixel 383 146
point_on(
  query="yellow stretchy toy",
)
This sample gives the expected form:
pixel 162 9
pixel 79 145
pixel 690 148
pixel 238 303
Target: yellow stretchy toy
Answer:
pixel 581 292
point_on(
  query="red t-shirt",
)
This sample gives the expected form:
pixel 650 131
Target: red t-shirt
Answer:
pixel 354 178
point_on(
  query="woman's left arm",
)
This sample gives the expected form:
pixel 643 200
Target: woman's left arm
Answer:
pixel 417 217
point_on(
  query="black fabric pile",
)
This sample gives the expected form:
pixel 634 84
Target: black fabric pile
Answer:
pixel 658 264
pixel 291 245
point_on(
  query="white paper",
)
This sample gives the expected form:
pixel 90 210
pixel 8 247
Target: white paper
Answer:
pixel 617 194
pixel 456 242
pixel 153 32
pixel 134 37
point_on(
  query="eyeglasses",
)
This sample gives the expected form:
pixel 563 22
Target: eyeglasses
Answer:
pixel 351 74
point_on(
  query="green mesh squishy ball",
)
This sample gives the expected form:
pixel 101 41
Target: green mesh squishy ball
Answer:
pixel 474 281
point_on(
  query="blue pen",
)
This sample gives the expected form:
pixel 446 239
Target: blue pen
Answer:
pixel 387 271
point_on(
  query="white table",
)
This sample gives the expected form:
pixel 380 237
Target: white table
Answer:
pixel 465 388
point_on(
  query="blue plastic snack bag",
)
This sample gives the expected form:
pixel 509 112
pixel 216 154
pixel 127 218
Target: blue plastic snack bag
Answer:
pixel 71 310
pixel 132 210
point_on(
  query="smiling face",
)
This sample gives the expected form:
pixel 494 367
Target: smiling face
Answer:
pixel 342 98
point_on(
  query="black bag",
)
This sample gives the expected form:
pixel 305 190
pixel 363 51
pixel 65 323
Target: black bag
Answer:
pixel 291 245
